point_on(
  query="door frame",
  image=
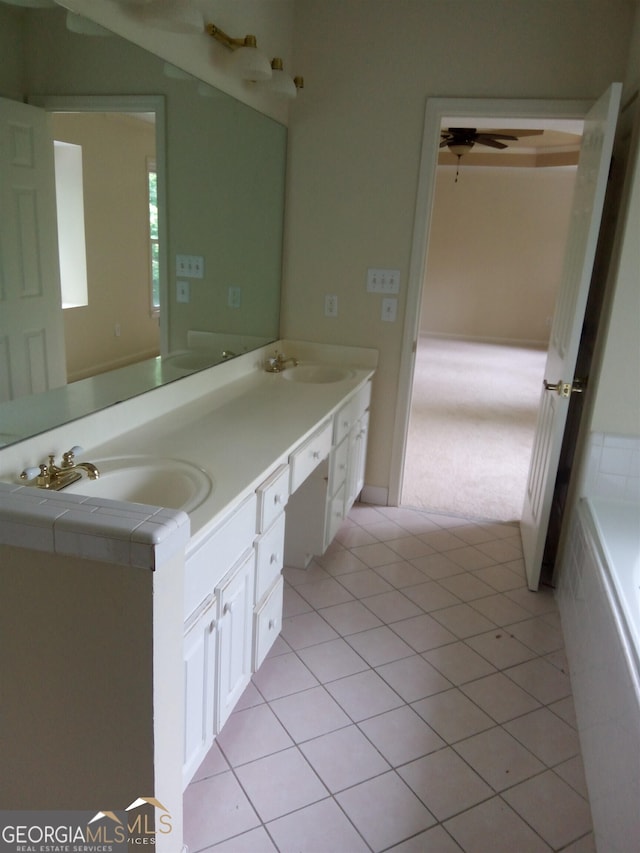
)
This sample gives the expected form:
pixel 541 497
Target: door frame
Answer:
pixel 519 114
pixel 130 104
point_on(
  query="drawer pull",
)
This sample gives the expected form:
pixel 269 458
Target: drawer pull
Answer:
pixel 228 608
pixel 212 626
pixel 277 499
pixel 273 623
pixel 316 454
pixel 274 559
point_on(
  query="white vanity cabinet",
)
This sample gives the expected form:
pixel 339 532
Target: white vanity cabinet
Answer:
pixel 200 645
pixel 273 495
pixel 235 597
pixel 332 486
pixel 218 606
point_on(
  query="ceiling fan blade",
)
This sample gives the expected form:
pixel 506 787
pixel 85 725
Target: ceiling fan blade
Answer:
pixel 513 134
pixel 490 142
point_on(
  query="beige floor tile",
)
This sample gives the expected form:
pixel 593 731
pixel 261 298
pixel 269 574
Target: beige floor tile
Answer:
pixel 401 574
pixel 500 697
pixel 441 540
pixel 283 675
pixel 251 734
pixel 463 621
pixel 469 558
pixel 363 584
pixel 309 714
pixel 214 763
pixel 445 783
pixel 502 578
pixel 500 609
pixel 458 662
pixel 292 603
pixel 538 603
pixel 500 648
pixel 403 814
pixel 434 840
pixel 430 596
pixel 350 617
pixel 215 809
pixel 379 645
pixel 401 735
pixel 384 530
pixel 423 632
pixel 340 563
pixel 493 827
pixel 499 758
pixel 306 629
pixel 324 593
pixel 572 771
pixel 355 536
pixel 410 547
pixel 254 841
pixel 552 808
pixel 363 695
pixel 437 566
pixel 467 587
pixel 324 820
pixel 331 660
pixel 453 715
pixel 344 758
pixel 280 783
pixel 546 735
pixel 375 555
pixel 541 679
pixel 500 550
pixel 413 678
pixel 392 606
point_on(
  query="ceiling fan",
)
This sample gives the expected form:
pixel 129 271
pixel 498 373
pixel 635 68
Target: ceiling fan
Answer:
pixel 460 140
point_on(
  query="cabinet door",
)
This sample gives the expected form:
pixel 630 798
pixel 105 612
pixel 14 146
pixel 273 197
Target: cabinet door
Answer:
pixel 235 624
pixel 199 687
pixel 357 460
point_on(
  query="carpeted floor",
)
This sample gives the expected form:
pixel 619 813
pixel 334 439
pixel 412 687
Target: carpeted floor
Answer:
pixel 473 417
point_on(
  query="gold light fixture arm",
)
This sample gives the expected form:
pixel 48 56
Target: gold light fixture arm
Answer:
pixel 227 41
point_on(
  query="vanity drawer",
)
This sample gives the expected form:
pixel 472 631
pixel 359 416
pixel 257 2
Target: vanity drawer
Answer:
pixel 218 553
pixel 338 466
pixel 352 410
pixel 309 455
pixel 273 495
pixel 269 557
pixel 267 623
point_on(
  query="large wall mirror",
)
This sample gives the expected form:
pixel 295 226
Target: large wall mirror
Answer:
pixel 218 168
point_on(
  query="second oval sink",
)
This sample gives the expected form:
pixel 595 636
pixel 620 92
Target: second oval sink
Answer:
pixel 156 481
pixel 317 373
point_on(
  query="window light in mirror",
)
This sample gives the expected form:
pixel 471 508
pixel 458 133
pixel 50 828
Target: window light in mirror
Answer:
pixel 71 234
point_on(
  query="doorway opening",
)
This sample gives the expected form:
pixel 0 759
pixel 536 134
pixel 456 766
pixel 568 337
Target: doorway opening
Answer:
pixel 498 226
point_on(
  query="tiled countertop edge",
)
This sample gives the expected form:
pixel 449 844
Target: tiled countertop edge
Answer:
pixel 96 529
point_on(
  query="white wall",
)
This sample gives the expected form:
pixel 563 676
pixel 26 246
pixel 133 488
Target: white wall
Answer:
pixel 496 249
pixel 355 140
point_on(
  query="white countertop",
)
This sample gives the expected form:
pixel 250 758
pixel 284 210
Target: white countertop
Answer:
pixel 236 430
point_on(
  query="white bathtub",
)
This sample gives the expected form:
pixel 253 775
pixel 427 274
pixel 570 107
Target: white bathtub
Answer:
pixel 617 531
pixel 599 599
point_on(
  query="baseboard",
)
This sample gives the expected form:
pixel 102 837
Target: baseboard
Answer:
pixel 377 495
pixel 508 342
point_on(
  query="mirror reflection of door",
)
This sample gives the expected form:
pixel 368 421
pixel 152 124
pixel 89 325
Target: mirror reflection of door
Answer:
pixel 117 322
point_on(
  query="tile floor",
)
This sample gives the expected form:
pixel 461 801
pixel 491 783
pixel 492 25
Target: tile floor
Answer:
pixel 417 700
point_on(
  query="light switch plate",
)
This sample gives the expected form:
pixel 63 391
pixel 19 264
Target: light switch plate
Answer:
pixel 190 266
pixel 383 281
pixel 182 291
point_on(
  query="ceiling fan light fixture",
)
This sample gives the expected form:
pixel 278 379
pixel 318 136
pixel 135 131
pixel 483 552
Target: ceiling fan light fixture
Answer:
pixel 460 148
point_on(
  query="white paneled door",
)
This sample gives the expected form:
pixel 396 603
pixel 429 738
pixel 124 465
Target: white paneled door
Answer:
pixel 32 356
pixel 560 382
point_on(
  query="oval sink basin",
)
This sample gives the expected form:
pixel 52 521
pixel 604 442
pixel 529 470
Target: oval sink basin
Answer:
pixel 169 483
pixel 317 373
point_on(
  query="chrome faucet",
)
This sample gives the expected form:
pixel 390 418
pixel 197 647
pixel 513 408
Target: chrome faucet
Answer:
pixel 56 477
pixel 277 363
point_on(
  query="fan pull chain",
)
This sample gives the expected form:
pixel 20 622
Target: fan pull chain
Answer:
pixel 457 170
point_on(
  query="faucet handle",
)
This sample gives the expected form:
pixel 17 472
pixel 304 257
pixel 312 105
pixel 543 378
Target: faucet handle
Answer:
pixel 30 473
pixel 70 455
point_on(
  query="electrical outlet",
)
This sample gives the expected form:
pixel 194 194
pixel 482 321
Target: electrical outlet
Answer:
pixel 330 305
pixel 182 291
pixel 383 281
pixel 389 309
pixel 234 297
